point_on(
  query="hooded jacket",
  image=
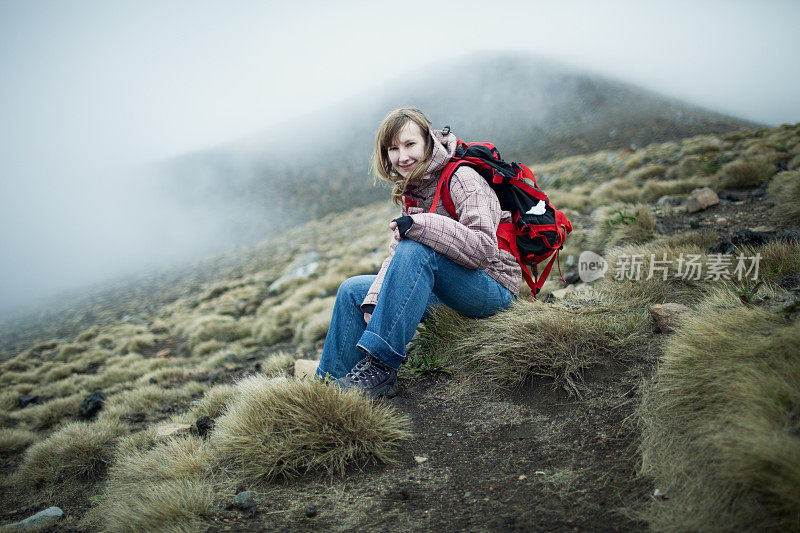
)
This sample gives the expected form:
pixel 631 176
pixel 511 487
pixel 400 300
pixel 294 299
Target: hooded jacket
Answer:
pixel 470 241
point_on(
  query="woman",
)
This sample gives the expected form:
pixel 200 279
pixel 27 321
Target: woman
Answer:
pixel 433 258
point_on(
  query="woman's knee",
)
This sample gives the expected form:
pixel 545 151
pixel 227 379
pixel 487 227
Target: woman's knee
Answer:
pixel 355 288
pixel 412 248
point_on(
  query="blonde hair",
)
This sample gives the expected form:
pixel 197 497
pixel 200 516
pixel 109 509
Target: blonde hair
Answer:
pixel 387 135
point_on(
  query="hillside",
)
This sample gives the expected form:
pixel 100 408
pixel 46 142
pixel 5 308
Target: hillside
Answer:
pixel 576 411
pixel 532 108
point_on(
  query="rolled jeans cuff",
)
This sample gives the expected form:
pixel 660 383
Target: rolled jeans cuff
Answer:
pixel 374 344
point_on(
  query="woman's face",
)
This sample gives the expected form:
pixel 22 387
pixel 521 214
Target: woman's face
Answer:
pixel 408 149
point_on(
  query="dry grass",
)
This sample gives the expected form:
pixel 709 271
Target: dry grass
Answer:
pixel 51 413
pixel 784 191
pixel 636 287
pixel 76 451
pixel 746 173
pixel 167 488
pixel 720 427
pixel 279 428
pixel 14 440
pixel 223 328
pixel 530 339
pixel 620 224
pixel 152 400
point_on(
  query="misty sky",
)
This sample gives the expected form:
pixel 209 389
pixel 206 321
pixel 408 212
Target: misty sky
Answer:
pixel 91 91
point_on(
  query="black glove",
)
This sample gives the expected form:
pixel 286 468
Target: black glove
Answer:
pixel 403 223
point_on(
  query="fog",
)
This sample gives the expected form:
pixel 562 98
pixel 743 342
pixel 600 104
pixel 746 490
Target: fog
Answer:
pixel 95 93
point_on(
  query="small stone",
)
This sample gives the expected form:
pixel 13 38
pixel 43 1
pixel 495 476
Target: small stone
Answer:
pixel 722 221
pixel 420 459
pixel 171 429
pixel 449 434
pixel 667 316
pixel 560 294
pixel 311 511
pixel 92 404
pixel 244 500
pixel 166 352
pixel 665 200
pixel 204 425
pixel 230 358
pixel 27 399
pixel 522 477
pixel 39 521
pixel 659 494
pixel 762 229
pixel 305 368
pixel 700 199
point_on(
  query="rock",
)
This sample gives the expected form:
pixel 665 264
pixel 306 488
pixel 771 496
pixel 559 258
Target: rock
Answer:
pixel 522 477
pixel 666 200
pixel 700 199
pixel 40 520
pixel 92 404
pixel 230 358
pixel 742 238
pixel 762 229
pixel 166 352
pixel 420 459
pixel 170 429
pixel 304 268
pixel 560 294
pixel 789 282
pixel 305 368
pixel 722 221
pixel 244 500
pixel 311 511
pixel 667 316
pixel 27 399
pixel 204 425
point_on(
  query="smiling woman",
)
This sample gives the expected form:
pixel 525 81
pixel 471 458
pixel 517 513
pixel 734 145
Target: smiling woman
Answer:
pixel 433 259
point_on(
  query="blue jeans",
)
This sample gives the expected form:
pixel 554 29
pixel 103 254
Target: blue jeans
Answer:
pixel 417 279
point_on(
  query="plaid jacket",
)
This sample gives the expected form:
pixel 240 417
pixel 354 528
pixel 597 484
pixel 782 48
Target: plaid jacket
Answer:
pixel 470 241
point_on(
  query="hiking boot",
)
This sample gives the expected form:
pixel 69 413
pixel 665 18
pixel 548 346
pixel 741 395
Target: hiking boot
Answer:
pixel 372 376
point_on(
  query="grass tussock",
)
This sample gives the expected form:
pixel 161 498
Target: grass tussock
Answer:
pixel 279 428
pixel 13 440
pixel 720 426
pixel 746 173
pixel 668 270
pixel 221 328
pixel 530 339
pixel 622 224
pixel 168 487
pixel 784 191
pixel 77 451
pixel 51 413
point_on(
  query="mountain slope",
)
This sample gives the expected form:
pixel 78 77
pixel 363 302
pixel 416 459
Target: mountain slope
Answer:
pixel 532 109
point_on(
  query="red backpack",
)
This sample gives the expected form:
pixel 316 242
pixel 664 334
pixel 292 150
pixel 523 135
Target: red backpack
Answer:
pixel 538 229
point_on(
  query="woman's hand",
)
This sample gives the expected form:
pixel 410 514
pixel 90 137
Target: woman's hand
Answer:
pixel 393 227
pixel 367 316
